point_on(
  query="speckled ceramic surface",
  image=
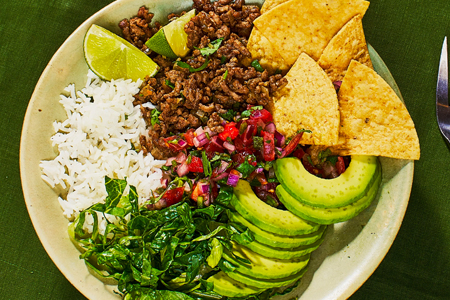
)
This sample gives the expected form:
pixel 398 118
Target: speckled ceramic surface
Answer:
pixel 348 256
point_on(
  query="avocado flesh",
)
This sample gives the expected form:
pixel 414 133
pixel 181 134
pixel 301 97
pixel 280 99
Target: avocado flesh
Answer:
pixel 281 253
pixel 266 217
pixel 325 193
pixel 329 215
pixel 264 267
pixel 226 286
pixel 267 283
pixel 276 240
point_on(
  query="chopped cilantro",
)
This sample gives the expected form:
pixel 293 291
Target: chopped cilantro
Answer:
pixel 247 113
pixel 229 115
pixel 154 116
pixel 212 47
pixel 169 84
pixel 225 75
pixel 191 69
pixel 255 64
pixel 246 168
pixel 206 164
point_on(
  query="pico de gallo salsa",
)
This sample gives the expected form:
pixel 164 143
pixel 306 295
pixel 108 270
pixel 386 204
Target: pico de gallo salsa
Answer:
pixel 246 149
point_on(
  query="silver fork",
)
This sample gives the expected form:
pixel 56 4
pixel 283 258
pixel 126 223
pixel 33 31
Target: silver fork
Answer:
pixel 442 105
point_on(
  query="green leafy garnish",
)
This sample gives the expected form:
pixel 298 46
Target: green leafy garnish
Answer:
pixel 154 116
pixel 184 65
pixel 229 115
pixel 225 75
pixel 246 168
pixel 169 84
pixel 206 164
pixel 156 254
pixel 255 64
pixel 212 47
pixel 247 113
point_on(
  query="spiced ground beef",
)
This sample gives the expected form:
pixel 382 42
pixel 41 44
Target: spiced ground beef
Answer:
pixel 226 81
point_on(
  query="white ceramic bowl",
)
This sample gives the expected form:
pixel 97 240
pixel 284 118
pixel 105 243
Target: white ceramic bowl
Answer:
pixel 348 256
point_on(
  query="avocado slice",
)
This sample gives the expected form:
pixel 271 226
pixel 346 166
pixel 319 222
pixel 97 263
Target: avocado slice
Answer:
pixel 267 283
pixel 267 217
pixel 281 253
pixel 226 286
pixel 264 267
pixel 329 215
pixel 325 193
pixel 276 240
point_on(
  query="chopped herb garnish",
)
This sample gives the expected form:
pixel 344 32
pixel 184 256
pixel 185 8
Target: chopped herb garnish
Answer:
pixel 247 113
pixel 184 65
pixel 221 156
pixel 225 75
pixel 206 164
pixel 212 47
pixel 223 60
pixel 246 168
pixel 154 116
pixel 323 155
pixel 229 115
pixel 255 64
pixel 332 159
pixel 169 84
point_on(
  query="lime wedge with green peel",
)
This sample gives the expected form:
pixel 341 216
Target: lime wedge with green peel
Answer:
pixel 111 57
pixel 171 40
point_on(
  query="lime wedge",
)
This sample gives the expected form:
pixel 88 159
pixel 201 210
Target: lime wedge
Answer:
pixel 171 40
pixel 111 57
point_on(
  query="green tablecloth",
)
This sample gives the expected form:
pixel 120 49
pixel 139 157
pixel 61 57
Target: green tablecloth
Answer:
pixel 408 36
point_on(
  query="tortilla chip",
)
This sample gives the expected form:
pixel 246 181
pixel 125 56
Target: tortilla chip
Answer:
pixel 347 45
pixel 262 50
pixel 269 4
pixel 374 121
pixel 306 26
pixel 308 101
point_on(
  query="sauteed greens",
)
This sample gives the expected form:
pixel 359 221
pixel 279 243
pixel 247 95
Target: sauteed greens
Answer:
pixel 147 252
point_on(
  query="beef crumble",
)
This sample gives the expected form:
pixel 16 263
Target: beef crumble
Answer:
pixel 226 81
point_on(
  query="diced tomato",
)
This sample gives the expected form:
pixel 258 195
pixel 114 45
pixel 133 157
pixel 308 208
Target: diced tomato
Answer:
pixel 195 165
pixel 172 143
pixel 268 149
pixel 212 148
pixel 173 196
pixel 239 144
pixel 299 153
pixel 240 157
pixel 189 137
pixel 230 131
pixel 262 114
pixel 340 165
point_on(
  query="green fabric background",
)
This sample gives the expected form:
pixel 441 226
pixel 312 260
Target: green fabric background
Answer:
pixel 407 34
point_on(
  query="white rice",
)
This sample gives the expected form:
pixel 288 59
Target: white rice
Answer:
pixel 96 141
